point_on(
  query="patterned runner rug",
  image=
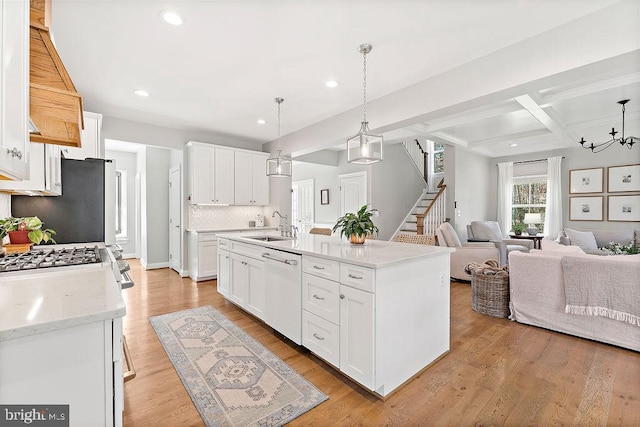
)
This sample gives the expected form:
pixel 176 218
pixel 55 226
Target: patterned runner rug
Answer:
pixel 232 379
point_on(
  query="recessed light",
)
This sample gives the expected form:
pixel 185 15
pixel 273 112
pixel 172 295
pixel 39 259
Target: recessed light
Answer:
pixel 261 121
pixel 141 92
pixel 331 83
pixel 513 145
pixel 172 18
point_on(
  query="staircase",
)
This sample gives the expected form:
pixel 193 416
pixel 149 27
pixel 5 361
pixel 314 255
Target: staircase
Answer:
pixel 429 210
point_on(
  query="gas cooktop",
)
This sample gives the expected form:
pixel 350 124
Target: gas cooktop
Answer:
pixel 50 257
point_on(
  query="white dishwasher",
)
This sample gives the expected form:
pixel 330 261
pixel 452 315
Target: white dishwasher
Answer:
pixel 283 285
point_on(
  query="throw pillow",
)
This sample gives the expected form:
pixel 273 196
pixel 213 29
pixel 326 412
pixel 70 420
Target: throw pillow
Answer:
pixel 585 239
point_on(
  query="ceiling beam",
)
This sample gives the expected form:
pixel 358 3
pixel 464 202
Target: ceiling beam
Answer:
pixel 509 137
pixel 558 94
pixel 447 139
pixel 547 117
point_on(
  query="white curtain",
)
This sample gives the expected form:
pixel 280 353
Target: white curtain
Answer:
pixel 553 212
pixel 505 196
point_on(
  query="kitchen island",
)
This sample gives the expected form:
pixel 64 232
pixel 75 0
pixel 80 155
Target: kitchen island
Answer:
pixel 378 312
pixel 61 342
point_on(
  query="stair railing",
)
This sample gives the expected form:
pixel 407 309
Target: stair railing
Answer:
pixel 419 156
pixel 435 214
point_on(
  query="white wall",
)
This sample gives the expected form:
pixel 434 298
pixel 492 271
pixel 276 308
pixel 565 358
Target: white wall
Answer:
pixel 470 190
pixel 127 161
pixel 575 158
pixel 323 176
pixel 157 216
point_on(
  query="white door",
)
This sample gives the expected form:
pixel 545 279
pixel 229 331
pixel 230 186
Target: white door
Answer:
pixel 353 191
pixel 175 227
pixel 302 204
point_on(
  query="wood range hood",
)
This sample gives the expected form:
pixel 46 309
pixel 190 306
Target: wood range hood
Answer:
pixel 55 106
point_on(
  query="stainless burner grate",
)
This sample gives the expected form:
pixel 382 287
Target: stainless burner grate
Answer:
pixel 45 257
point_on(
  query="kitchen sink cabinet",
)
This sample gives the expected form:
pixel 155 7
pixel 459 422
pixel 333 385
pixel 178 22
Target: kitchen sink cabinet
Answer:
pixel 211 172
pixel 247 284
pixel 357 335
pixel 203 256
pixel 14 90
pixel 90 139
pixel 251 181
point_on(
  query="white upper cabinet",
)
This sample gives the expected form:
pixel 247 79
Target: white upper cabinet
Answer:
pixel 45 176
pixel 91 140
pixel 251 180
pixel 14 89
pixel 219 175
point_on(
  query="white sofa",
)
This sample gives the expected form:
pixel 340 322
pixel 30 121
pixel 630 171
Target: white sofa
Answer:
pixel 538 297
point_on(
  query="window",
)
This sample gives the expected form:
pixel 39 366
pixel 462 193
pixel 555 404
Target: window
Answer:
pixel 438 158
pixel 121 204
pixel 529 196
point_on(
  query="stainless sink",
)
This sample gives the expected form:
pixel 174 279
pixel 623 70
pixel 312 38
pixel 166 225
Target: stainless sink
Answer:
pixel 268 238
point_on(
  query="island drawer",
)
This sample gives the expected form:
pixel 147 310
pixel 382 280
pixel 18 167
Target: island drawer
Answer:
pixel 223 244
pixel 321 337
pixel 362 278
pixel 321 297
pixel 321 267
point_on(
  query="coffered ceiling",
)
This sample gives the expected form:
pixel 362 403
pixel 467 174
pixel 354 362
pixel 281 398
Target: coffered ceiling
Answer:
pixel 220 70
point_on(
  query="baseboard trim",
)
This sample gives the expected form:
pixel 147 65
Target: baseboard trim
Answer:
pixel 155 265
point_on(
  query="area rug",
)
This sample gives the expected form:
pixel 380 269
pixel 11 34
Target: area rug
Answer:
pixel 232 379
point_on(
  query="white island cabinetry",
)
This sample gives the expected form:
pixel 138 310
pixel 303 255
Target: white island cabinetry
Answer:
pixel 379 313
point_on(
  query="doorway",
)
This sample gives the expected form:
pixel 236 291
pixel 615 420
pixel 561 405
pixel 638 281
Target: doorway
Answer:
pixel 175 225
pixel 302 204
pixel 353 191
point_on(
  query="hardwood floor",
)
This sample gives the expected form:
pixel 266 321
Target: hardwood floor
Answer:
pixel 498 372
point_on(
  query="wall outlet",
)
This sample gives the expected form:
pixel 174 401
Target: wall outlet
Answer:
pixel 442 279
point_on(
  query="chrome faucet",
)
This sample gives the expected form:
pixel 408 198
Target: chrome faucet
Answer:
pixel 283 232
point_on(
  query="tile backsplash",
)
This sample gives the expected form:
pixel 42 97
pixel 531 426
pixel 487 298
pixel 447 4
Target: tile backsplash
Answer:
pixel 205 217
pixel 5 205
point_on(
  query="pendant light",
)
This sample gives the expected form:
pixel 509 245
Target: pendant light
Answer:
pixel 623 141
pixel 364 148
pixel 278 165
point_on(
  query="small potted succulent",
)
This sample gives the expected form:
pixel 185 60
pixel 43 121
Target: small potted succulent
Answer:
pixel 356 226
pixel 518 228
pixel 25 230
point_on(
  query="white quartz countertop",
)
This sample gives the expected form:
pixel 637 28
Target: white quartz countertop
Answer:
pixel 373 254
pixel 48 300
pixel 225 230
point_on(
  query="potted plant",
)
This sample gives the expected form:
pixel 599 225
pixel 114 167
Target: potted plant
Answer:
pixel 518 228
pixel 356 226
pixel 25 230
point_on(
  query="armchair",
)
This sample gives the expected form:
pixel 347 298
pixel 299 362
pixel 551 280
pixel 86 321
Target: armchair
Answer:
pixel 490 231
pixel 465 252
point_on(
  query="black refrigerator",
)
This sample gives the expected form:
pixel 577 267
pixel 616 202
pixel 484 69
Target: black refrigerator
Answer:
pixel 85 212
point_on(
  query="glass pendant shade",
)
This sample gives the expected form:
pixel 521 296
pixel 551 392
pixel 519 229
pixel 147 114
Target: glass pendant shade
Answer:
pixel 279 166
pixel 364 148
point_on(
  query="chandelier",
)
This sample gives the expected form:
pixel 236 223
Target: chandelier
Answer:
pixel 625 142
pixel 279 165
pixel 364 148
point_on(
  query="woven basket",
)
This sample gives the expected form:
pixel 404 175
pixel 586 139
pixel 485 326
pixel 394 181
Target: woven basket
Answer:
pixel 490 294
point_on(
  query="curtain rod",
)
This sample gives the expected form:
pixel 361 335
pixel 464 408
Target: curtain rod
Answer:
pixel 530 161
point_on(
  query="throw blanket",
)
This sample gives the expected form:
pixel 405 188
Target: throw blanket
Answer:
pixel 603 286
pixel 490 267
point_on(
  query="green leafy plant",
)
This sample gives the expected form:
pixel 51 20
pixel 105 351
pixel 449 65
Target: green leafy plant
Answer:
pixel 519 227
pixel 615 248
pixel 358 223
pixel 32 224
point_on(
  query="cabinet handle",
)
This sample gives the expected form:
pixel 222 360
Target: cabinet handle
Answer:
pixel 341 296
pixel 15 153
pixel 317 267
pixel 316 336
pixel 317 297
pixel 355 277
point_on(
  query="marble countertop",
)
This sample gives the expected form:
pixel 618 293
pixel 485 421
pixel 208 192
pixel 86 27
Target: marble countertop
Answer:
pixel 225 230
pixel 48 300
pixel 373 254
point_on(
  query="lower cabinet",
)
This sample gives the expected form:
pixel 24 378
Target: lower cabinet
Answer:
pixel 224 262
pixel 203 256
pixel 247 284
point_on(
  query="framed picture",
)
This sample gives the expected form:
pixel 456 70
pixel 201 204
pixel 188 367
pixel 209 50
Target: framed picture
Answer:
pixel 586 181
pixel 586 208
pixel 324 196
pixel 623 208
pixel 623 178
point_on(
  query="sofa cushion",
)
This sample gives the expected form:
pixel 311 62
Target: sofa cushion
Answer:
pixel 549 245
pixel 489 230
pixel 604 237
pixel 585 239
pixel 450 235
